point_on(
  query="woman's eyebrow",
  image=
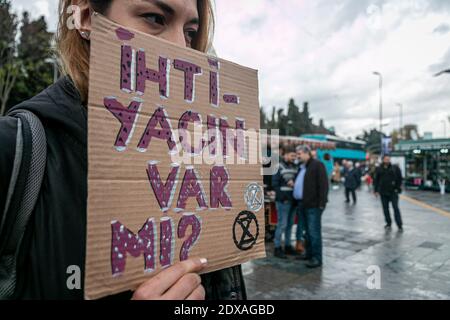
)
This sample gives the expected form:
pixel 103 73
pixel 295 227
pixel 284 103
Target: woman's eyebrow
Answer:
pixel 162 6
pixel 167 9
pixel 194 21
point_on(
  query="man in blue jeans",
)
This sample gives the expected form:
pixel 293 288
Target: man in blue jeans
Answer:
pixel 311 193
pixel 283 182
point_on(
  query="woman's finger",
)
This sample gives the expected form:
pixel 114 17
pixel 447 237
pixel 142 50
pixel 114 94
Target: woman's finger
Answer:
pixel 197 294
pixel 164 280
pixel 184 287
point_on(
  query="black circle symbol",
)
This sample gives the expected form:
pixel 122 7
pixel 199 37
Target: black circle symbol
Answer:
pixel 246 240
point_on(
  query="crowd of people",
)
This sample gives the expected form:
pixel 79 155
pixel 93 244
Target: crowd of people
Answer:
pixel 300 188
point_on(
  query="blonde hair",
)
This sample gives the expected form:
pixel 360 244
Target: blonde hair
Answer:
pixel 73 50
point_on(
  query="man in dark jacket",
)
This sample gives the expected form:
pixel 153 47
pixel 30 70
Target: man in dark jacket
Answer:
pixel 388 184
pixel 311 192
pixel 351 182
pixel 55 238
pixel 283 182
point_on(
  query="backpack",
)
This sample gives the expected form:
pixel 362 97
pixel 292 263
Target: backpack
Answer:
pixel 23 191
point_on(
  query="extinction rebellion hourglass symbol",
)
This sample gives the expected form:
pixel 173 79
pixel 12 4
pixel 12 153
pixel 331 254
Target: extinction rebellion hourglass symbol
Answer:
pixel 243 237
pixel 254 197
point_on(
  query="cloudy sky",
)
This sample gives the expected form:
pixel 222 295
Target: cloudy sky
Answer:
pixel 325 51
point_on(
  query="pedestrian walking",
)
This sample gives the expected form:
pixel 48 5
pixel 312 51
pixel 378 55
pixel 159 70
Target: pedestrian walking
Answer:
pixel 359 173
pixel 388 185
pixel 311 193
pixel 352 182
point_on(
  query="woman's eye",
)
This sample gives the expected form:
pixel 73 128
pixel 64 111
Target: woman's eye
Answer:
pixel 190 35
pixel 155 19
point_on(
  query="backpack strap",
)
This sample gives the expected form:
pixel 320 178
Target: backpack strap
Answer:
pixel 24 188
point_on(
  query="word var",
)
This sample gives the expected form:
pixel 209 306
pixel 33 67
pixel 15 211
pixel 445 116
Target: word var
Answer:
pixel 191 187
pixel 124 242
pixel 159 127
pixel 134 74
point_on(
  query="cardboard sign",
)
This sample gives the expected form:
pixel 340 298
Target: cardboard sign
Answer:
pixel 157 190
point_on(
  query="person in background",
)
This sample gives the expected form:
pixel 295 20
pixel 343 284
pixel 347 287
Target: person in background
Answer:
pixel 369 181
pixel 311 193
pixel 301 228
pixel 283 183
pixel 388 184
pixel 336 175
pixel 343 170
pixel 359 171
pixel 351 182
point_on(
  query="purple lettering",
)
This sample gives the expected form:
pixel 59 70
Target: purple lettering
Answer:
pixel 127 69
pixel 165 133
pixel 143 73
pixel 190 70
pixel 183 123
pixel 186 221
pixel 218 185
pixel 231 98
pixel 167 242
pixel 124 241
pixel 163 192
pixel 237 139
pixel 126 116
pixel 191 187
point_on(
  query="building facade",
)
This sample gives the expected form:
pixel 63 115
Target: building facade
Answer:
pixel 426 163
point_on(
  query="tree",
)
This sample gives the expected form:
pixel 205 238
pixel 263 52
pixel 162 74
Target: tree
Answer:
pixel 263 118
pixel 34 53
pixel 294 123
pixel 281 122
pixel 372 139
pixel 9 64
pixel 24 65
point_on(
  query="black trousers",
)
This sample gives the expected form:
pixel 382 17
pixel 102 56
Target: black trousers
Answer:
pixel 385 199
pixel 347 194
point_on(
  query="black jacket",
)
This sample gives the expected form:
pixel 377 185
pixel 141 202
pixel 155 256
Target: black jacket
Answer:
pixel 388 180
pixel 352 179
pixel 286 172
pixel 56 236
pixel 315 186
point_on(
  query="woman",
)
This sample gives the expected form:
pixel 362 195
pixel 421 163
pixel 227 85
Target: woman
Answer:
pixel 55 236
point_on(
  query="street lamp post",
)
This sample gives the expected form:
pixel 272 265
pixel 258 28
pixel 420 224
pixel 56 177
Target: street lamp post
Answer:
pixel 288 131
pixel 442 72
pixel 381 99
pixel 445 128
pixel 447 71
pixel 401 120
pixel 55 68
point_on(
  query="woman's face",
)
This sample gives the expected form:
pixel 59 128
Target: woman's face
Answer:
pixel 174 20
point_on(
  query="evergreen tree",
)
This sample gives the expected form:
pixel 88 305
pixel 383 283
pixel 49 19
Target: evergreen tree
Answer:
pixel 9 64
pixel 34 53
pixel 294 123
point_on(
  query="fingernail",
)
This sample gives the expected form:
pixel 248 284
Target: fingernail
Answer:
pixel 203 261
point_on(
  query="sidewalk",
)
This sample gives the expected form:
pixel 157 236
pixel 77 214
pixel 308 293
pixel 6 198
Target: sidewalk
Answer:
pixel 434 199
pixel 414 264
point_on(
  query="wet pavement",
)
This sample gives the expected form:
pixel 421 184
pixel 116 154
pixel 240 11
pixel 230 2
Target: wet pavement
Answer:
pixel 434 199
pixel 414 264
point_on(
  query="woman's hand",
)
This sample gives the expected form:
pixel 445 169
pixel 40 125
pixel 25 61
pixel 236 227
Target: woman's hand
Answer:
pixel 178 282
